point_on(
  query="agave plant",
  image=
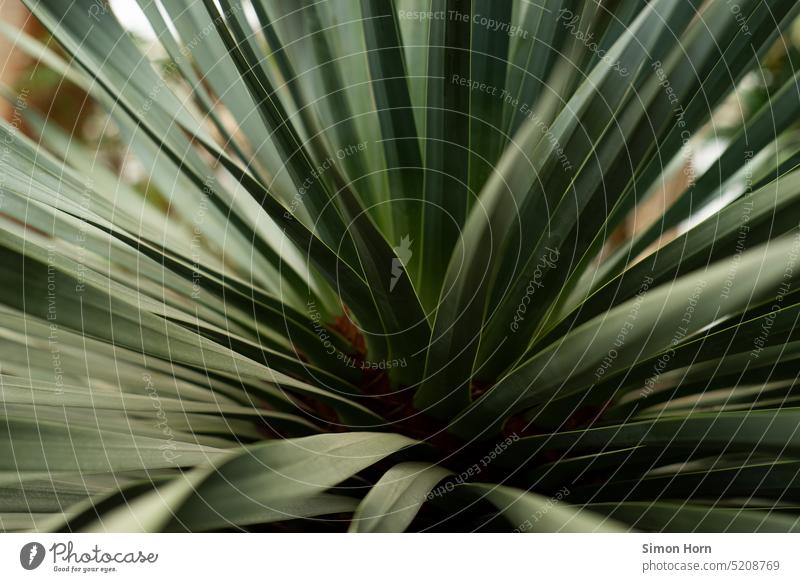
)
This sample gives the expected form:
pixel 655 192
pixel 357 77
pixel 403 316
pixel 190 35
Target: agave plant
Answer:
pixel 353 265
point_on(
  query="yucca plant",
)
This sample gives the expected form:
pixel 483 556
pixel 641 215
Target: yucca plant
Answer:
pixel 354 265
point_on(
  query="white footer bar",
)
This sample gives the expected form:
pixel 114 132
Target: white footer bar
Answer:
pixel 353 558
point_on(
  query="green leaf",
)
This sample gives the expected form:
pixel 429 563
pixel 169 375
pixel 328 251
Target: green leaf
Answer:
pixel 274 477
pixel 400 138
pixel 685 518
pixel 392 504
pixel 447 196
pixel 529 513
pixel 571 363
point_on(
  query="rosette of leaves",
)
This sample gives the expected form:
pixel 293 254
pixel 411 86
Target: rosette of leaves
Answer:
pixel 345 265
